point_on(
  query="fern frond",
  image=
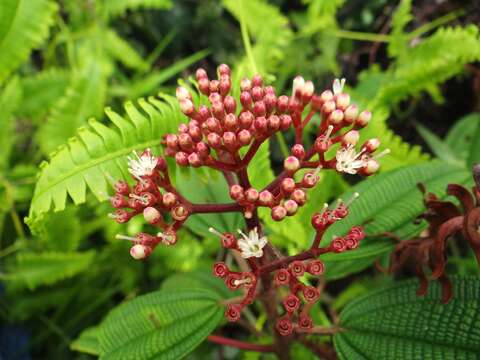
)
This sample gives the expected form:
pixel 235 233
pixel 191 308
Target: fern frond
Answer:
pixel 123 52
pixel 112 8
pixel 33 270
pixel 98 151
pixel 9 100
pixel 42 90
pixel 83 98
pixel 397 47
pixel 23 27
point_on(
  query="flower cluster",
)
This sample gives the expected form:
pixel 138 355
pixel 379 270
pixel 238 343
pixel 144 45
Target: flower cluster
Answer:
pixel 445 220
pixel 225 135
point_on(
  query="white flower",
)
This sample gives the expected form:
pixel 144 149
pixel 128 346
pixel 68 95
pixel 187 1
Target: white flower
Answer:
pixel 338 85
pixel 143 165
pixel 251 245
pixel 348 160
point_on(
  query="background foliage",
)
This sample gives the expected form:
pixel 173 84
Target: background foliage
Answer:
pixel 414 64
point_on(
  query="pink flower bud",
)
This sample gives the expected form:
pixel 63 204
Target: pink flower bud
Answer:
pixel 181 158
pixel 298 85
pixel 236 192
pixel 351 138
pixel 284 326
pixel 169 199
pixel 311 294
pixel 265 198
pixel 244 137
pixel 223 69
pixel 140 252
pixel 185 141
pixel 351 113
pixel 118 201
pixel 259 108
pixel 203 113
pixel 202 150
pixel 152 215
pixel 171 141
pixel 270 101
pixel 183 94
pixel 251 195
pixel 230 104
pixel 121 216
pixel 315 267
pixel 371 167
pixel 246 119
pixel 363 118
pixel 298 151
pixel 338 245
pixel 214 86
pixel 281 277
pixel 278 213
pixel 201 74
pixel 327 95
pixel 282 103
pixel 204 86
pixel 336 117
pixel 245 84
pixel 328 107
pixel 230 140
pixel 304 322
pixel 195 133
pixel 231 122
pixel 187 107
pixel 286 122
pixel 194 160
pixel 257 80
pixel 257 93
pixel 225 85
pixel 273 122
pixel 291 207
pixel 213 125
pixel 343 100
pixel 214 140
pixel 291 164
pixel 371 145
pixel 233 312
pixel 261 124
pixel 121 187
pixel 180 213
pixel 288 185
pixel 214 97
pixel 297 268
pixel 291 303
pixel 183 128
pixel 299 196
pixel 220 270
pixel 246 99
pixel 307 91
pixel 218 110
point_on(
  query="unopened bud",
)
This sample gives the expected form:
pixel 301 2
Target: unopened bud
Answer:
pixel 245 84
pixel 336 117
pixel 291 164
pixel 282 103
pixel 299 196
pixel 288 185
pixel 181 158
pixel 351 113
pixel 169 199
pixel 278 213
pixel 236 192
pixel 230 104
pixel 291 206
pixel 140 252
pixel 298 151
pixel 251 195
pixel 257 93
pixel 265 198
pixel 351 138
pixel 194 160
pixel 363 118
pixel 179 213
pixel 343 100
pixel 152 215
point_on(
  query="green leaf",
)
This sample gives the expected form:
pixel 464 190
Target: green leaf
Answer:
pixel 9 100
pixel 87 342
pixel 198 280
pixel 160 325
pixel 438 147
pixel 461 137
pixel 122 51
pixel 99 151
pixel 394 323
pixel 43 90
pixel 397 47
pixel 119 7
pixel 47 268
pixel 23 26
pixel 84 98
pixel 388 202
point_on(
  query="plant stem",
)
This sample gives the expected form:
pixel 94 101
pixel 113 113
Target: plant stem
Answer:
pixel 240 344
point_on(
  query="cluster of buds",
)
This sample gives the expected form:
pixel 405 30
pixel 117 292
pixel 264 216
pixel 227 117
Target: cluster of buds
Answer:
pixel 445 219
pixel 146 197
pixel 226 135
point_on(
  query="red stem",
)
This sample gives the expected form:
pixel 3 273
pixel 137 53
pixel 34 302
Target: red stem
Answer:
pixel 214 208
pixel 240 344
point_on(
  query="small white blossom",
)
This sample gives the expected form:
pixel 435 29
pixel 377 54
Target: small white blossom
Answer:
pixel 143 165
pixel 338 85
pixel 348 160
pixel 251 245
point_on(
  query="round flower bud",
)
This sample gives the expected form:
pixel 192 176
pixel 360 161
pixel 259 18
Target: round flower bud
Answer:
pixel 327 95
pixel 261 124
pixel 298 151
pixel 185 141
pixel 371 167
pixel 270 101
pixel 371 145
pixel 273 123
pixel 351 138
pixel 245 84
pixel 181 158
pixel 223 69
pixel 350 114
pixel 201 74
pixel 304 322
pixel 171 141
pixel 291 164
pixel 233 312
pixel 244 137
pixel 257 93
pixel 291 207
pixel 281 277
pixel 204 86
pixel 230 140
pixel 230 104
pixel 187 107
pixel 202 150
pixel 311 294
pixel 286 122
pixel 236 192
pixel 319 222
pixel 218 110
pixel 203 113
pixel 251 195
pixel 282 103
pixel 259 108
pixel 140 252
pixel 225 85
pixel 246 119
pixel 214 140
pixel 169 199
pixel 214 86
pixel 278 213
pixel 338 245
pixel 122 188
pixel 343 100
pixel 291 303
pixel 152 215
pixel 265 198
pixel 118 201
pixel 310 179
pixel 220 270
pixel 351 242
pixel 214 98
pixel 299 196
pixel 363 118
pixel 257 80
pixel 288 185
pixel 315 267
pixel 284 326
pixel 183 128
pixel 297 268
pixel 307 91
pixel 246 99
pixel 179 213
pixel 328 107
pixel 336 117
pixel 182 94
pixel 194 160
pixel 298 85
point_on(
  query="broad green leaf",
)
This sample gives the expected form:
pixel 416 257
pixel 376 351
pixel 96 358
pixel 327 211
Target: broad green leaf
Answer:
pixel 394 323
pixel 113 8
pixel 9 101
pixel 83 98
pixel 87 342
pixel 160 325
pixel 438 147
pixel 24 25
pixel 198 280
pixel 98 152
pixel 388 202
pixel 41 91
pixel 461 137
pixel 46 268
